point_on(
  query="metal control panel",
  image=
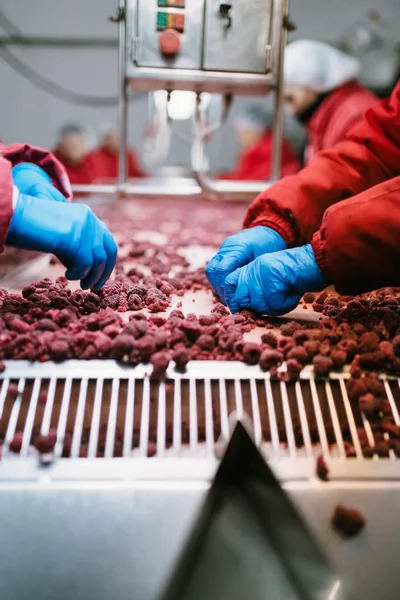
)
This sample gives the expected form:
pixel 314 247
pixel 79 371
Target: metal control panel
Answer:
pixel 204 45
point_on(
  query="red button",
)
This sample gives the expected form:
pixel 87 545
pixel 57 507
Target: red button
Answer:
pixel 179 22
pixel 170 42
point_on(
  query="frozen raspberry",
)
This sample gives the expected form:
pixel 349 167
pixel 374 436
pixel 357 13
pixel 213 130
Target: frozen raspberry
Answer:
pixel 355 388
pixel 375 385
pixel 205 342
pixel 181 356
pixel 157 321
pixel 355 367
pixel 12 391
pixel 301 336
pixel 28 290
pixel 270 339
pixel 382 449
pixel 311 347
pixel 386 349
pixel 338 358
pixel 270 358
pixel 226 340
pixel 160 362
pixel 145 347
pixel 103 344
pixel 369 342
pixel 347 521
pixel 63 281
pixel 122 345
pixel 220 310
pixel 207 320
pixel 309 297
pixel 46 325
pixel 370 406
pixel 191 329
pixel 298 353
pixel 322 365
pixel 294 369
pixel 16 443
pixel 372 360
pixel 2 367
pixel 322 468
pixel 177 314
pixel 59 350
pixel 110 301
pixel 251 353
pixel 45 443
pixel 288 329
pixel 42 397
pixel 317 307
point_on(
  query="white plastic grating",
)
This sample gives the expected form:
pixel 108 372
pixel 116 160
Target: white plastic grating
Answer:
pixel 100 409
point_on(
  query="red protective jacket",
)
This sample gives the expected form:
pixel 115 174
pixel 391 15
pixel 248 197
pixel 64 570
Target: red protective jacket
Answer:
pixel 81 174
pixel 104 165
pixel 255 164
pixel 335 116
pixel 13 155
pixel 347 202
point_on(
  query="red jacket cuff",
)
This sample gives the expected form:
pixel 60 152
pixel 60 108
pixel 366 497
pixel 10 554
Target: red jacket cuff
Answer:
pixel 317 244
pixel 17 153
pixel 279 224
pixel 6 200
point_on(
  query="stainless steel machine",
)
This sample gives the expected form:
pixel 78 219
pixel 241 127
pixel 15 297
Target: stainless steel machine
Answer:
pixel 107 513
pixel 113 526
pixel 229 48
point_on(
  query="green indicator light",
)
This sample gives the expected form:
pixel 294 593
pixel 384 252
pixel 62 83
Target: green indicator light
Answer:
pixel 162 20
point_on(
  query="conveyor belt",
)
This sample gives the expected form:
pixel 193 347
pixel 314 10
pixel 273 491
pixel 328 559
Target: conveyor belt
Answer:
pixel 108 411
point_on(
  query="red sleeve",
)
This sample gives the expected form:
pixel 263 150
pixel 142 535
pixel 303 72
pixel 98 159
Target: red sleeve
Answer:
pixel 17 153
pixel 134 170
pixel 290 164
pixel 6 196
pixel 357 246
pixel 295 206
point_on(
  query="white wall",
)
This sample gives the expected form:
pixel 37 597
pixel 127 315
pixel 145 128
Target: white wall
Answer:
pixel 31 115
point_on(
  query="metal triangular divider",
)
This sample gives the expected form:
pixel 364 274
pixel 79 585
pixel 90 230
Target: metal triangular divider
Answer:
pixel 249 542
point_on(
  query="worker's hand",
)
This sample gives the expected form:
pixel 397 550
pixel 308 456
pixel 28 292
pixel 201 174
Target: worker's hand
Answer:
pixel 70 231
pixel 239 250
pixel 34 181
pixel 274 283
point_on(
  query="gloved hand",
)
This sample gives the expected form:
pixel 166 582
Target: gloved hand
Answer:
pixel 239 250
pixel 34 181
pixel 274 283
pixel 70 231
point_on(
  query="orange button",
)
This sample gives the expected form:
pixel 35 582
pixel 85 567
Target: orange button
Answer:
pixel 179 22
pixel 169 42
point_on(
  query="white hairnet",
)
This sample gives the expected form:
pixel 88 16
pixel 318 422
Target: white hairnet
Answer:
pixel 254 117
pixel 318 66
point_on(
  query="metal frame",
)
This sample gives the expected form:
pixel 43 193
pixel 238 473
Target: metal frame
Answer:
pixel 196 459
pixel 202 184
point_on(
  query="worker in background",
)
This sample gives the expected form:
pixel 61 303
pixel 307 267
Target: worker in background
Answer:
pixel 104 161
pixel 35 215
pixel 321 91
pixel 71 151
pixel 336 222
pixel 254 131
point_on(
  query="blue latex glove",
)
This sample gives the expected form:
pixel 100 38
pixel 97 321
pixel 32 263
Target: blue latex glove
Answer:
pixel 274 283
pixel 239 250
pixel 34 181
pixel 70 231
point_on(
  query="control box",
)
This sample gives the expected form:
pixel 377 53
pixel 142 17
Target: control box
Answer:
pixel 204 45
